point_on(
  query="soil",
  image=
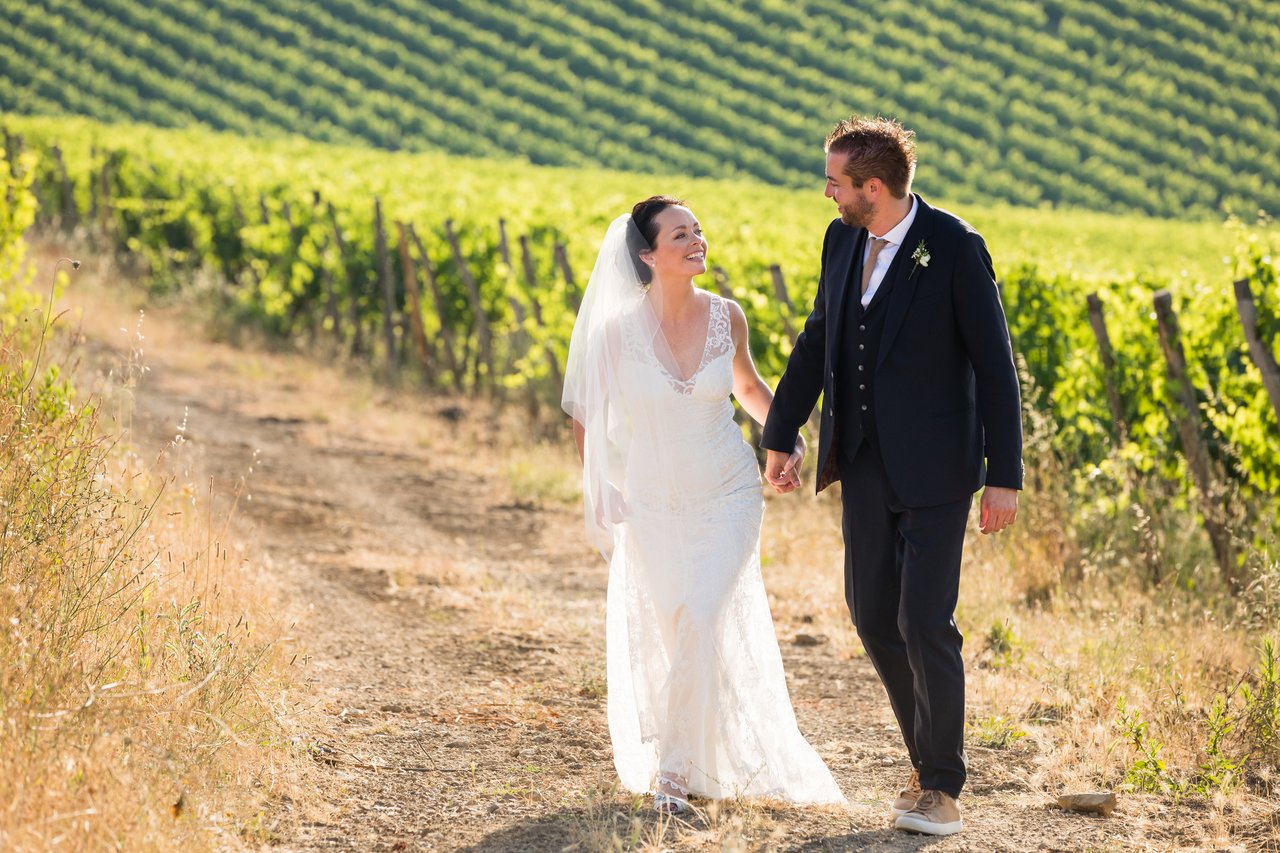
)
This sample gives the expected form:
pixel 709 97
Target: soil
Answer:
pixel 451 625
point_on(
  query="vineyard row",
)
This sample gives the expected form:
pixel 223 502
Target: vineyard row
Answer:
pixel 1071 104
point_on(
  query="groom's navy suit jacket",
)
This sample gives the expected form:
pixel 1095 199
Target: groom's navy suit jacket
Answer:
pixel 944 395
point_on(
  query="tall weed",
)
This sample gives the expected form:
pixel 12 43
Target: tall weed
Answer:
pixel 133 661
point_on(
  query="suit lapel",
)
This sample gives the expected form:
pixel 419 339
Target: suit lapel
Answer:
pixel 903 281
pixel 846 256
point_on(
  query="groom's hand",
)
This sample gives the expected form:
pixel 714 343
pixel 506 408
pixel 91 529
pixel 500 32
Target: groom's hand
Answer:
pixel 999 508
pixel 782 471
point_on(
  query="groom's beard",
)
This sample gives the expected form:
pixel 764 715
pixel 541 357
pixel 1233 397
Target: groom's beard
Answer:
pixel 857 215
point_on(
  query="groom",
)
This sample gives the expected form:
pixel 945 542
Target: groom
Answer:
pixel 908 344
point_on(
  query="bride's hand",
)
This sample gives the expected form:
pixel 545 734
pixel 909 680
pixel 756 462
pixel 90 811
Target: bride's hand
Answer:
pixel 793 462
pixel 614 503
pixel 782 471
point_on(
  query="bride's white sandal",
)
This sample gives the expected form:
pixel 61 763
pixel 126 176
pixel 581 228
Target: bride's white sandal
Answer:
pixel 669 804
pixel 673 800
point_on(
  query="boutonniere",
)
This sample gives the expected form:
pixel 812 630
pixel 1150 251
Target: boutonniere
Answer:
pixel 921 257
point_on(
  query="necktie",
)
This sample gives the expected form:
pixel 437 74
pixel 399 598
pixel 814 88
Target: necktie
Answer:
pixel 869 265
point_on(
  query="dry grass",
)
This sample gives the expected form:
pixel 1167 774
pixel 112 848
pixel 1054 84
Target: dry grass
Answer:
pixel 138 657
pixel 1088 682
pixel 1119 685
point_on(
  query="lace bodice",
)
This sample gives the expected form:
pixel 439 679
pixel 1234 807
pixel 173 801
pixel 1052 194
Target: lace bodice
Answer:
pixel 719 342
pixel 684 447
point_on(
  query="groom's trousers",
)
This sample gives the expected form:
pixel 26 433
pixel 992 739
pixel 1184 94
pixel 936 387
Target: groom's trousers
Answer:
pixel 902 578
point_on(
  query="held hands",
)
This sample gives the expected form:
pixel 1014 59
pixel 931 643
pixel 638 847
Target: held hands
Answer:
pixel 782 470
pixel 999 508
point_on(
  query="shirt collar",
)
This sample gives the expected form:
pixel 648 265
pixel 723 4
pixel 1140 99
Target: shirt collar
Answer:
pixel 898 233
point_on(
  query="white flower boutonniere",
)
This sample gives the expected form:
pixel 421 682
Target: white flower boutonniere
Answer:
pixel 921 256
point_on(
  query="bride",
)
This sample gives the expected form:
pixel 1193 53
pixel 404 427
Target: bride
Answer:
pixel 698 703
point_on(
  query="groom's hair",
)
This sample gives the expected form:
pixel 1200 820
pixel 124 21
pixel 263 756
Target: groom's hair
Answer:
pixel 641 237
pixel 877 148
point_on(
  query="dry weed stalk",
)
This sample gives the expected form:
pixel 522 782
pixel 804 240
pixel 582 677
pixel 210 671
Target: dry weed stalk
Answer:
pixel 134 660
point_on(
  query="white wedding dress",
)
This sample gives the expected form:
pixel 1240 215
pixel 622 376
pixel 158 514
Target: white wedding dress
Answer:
pixel 696 685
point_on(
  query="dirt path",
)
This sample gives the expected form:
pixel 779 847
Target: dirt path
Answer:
pixel 452 627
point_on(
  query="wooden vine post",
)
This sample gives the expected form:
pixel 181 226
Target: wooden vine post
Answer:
pixel 353 293
pixel 240 266
pixel 531 281
pixel 12 151
pixel 388 290
pixel 449 344
pixel 1192 442
pixel 722 282
pixel 413 304
pixel 328 316
pixel 13 146
pixel 504 248
pixel 1258 349
pixel 521 342
pixel 1099 324
pixel 67 210
pixel 780 290
pixel 105 214
pixel 484 338
pixel 284 263
pixel 517 309
pixel 93 186
pixel 562 261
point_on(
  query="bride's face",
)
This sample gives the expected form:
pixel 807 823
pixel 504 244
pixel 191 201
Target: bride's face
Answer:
pixel 680 250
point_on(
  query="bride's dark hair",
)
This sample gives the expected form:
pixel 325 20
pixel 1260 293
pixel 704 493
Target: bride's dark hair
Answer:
pixel 641 237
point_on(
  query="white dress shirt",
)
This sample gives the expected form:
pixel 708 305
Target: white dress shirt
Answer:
pixel 896 235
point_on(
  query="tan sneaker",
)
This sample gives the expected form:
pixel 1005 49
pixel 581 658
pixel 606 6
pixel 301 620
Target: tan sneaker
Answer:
pixel 935 813
pixel 907 796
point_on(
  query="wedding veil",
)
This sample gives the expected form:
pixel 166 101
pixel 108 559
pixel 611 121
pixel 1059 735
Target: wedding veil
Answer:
pixel 617 310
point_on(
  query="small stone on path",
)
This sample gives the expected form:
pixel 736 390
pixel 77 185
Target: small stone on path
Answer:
pixel 810 639
pixel 1098 803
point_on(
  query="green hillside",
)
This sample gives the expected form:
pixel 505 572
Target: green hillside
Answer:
pixel 1123 105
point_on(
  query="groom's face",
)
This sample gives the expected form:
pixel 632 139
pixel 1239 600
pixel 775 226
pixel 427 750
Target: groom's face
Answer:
pixel 855 205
